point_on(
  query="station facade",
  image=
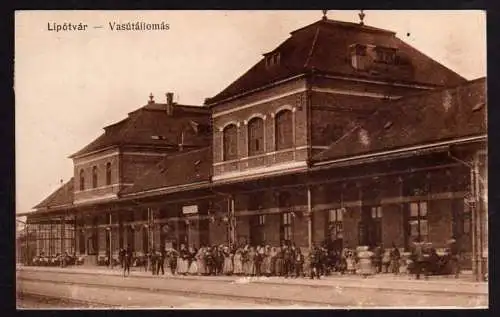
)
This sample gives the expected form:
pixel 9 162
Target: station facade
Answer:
pixel 342 132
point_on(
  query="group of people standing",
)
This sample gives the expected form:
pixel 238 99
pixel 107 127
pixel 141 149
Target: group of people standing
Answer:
pixel 286 260
pixel 247 260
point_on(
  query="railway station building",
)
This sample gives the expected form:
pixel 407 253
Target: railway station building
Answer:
pixel 343 131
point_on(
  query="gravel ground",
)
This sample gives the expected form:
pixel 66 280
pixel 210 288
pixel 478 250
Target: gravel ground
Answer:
pixel 144 292
pixel 29 301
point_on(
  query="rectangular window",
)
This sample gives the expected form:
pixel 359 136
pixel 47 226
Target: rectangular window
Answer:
pixel 288 233
pixel 335 223
pixel 418 225
pixel 376 212
pixel 386 56
pixel 286 226
pixel 262 220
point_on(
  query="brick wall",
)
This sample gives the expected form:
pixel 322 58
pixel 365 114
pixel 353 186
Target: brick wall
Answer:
pixel 134 166
pixel 440 221
pixel 262 95
pixel 243 228
pixel 217 233
pixel 98 160
pixel 272 232
pixel 393 225
pixel 351 222
pixel 267 110
pixel 300 232
pixel 332 116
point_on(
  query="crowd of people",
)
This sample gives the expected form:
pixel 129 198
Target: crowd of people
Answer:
pixel 60 259
pixel 286 260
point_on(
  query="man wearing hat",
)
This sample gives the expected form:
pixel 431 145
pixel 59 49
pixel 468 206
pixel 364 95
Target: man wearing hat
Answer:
pixel 454 256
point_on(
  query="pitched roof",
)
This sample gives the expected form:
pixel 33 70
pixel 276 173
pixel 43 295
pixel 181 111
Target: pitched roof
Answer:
pixel 175 170
pixel 420 119
pixel 151 125
pixel 324 46
pixel 62 196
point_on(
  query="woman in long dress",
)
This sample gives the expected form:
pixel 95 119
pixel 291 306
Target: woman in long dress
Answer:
pixel 220 259
pixel 272 255
pixel 238 266
pixel 193 264
pixel 245 261
pixel 200 259
pixel 258 260
pixel 252 255
pixel 228 267
pixel 278 267
pixel 182 260
pixel 266 263
pixel 262 263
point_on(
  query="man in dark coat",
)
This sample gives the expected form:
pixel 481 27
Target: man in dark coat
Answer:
pixel 160 263
pixel 287 261
pixel 315 259
pixel 152 261
pixel 209 260
pixel 293 262
pixel 219 260
pixel 121 256
pixel 454 250
pixel 127 261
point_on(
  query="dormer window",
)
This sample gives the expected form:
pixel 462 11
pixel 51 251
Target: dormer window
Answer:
pixel 358 56
pixel 358 50
pixel 385 55
pixel 365 57
pixel 273 59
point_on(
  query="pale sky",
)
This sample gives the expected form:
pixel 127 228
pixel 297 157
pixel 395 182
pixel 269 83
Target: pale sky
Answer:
pixel 69 85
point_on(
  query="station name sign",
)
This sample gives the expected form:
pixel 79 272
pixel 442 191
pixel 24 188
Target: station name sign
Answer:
pixel 187 210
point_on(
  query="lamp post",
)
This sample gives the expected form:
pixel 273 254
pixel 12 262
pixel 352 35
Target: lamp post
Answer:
pixel 110 237
pixel 474 201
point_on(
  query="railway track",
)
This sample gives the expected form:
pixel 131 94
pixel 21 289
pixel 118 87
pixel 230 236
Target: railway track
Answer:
pixel 426 292
pixel 146 291
pixel 59 301
pixel 177 292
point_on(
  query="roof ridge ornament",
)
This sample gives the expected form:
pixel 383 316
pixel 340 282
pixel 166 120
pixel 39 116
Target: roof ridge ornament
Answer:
pixel 324 14
pixel 361 17
pixel 151 98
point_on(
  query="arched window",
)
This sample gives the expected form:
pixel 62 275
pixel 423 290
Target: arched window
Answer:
pixel 230 139
pixel 82 180
pixel 94 177
pixel 255 136
pixel 284 130
pixel 108 173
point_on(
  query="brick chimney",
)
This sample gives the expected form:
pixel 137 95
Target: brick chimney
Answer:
pixel 170 103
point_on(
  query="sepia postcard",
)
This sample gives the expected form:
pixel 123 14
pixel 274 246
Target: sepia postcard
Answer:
pixel 251 159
